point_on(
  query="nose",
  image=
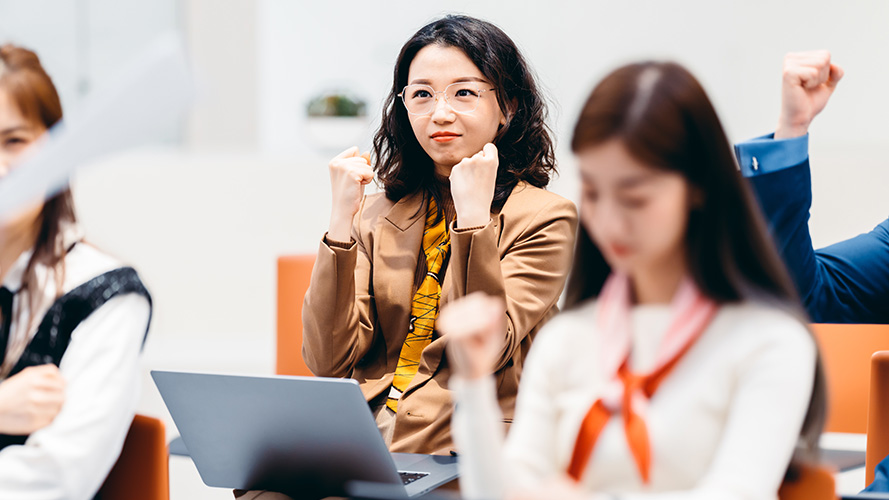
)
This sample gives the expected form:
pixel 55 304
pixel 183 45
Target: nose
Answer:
pixel 442 112
pixel 608 220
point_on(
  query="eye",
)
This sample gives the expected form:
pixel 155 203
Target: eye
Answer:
pixel 464 92
pixel 633 203
pixel 421 94
pixel 14 142
pixel 590 195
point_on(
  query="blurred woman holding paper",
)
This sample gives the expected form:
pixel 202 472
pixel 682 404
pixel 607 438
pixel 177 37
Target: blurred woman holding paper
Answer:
pixel 72 321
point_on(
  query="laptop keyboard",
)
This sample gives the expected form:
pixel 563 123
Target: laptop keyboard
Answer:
pixel 409 477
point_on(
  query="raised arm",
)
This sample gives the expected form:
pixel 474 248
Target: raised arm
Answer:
pixel 338 314
pixel 846 282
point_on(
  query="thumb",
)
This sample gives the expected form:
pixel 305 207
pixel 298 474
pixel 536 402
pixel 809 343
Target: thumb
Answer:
pixel 490 150
pixel 836 74
pixel 349 153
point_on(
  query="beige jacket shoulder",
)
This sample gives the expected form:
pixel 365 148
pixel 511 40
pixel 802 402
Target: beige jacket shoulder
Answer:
pixel 357 308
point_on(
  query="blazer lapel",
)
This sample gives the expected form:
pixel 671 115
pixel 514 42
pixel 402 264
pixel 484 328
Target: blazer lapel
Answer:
pixel 398 244
pixel 435 351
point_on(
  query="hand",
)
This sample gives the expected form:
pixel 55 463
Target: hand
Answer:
pixel 562 488
pixel 31 399
pixel 472 187
pixel 808 81
pixel 475 328
pixel 349 173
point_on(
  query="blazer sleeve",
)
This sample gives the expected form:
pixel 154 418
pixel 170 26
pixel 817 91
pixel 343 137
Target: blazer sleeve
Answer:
pixel 529 276
pixel 338 311
pixel 847 282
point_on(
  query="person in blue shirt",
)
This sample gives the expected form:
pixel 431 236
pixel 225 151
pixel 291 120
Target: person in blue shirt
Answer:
pixel 847 282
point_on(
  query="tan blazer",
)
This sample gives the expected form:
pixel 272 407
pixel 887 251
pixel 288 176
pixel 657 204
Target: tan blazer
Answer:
pixel 358 305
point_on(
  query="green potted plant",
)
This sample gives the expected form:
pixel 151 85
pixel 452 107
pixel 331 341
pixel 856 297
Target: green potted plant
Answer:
pixel 336 120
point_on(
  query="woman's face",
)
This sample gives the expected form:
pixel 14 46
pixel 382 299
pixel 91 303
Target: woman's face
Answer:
pixel 636 214
pixel 446 135
pixel 16 135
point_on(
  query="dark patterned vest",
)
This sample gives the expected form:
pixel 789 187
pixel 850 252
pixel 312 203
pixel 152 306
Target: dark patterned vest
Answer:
pixel 54 332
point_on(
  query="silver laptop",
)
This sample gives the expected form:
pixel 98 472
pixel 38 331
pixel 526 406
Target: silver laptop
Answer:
pixel 302 436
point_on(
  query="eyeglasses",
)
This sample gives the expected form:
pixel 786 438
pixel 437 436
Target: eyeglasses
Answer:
pixel 463 97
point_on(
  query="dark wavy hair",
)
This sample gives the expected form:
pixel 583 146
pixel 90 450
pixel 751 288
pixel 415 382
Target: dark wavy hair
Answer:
pixel 524 144
pixel 660 112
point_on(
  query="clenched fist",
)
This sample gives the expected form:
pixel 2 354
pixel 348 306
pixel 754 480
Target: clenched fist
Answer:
pixel 31 399
pixel 472 187
pixel 475 328
pixel 349 173
pixel 808 81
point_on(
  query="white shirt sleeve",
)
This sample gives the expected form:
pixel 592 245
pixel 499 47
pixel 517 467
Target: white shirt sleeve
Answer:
pixel 488 467
pixel 70 458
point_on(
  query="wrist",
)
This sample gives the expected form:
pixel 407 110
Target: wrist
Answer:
pixel 340 229
pixel 472 219
pixel 789 130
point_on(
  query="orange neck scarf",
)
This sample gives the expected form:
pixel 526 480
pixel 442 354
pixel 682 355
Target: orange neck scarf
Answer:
pixel 627 392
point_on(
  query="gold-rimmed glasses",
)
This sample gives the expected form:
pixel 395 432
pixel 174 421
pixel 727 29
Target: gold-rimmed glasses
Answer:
pixel 463 97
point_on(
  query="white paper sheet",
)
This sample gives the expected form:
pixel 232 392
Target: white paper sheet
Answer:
pixel 146 99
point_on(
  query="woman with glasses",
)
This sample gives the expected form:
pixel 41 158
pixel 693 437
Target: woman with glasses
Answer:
pixel 683 367
pixel 463 156
pixel 72 321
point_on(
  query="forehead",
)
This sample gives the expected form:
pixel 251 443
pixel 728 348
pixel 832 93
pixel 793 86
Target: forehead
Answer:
pixel 10 114
pixel 439 64
pixel 611 161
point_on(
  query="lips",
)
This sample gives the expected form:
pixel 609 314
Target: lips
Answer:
pixel 444 136
pixel 620 250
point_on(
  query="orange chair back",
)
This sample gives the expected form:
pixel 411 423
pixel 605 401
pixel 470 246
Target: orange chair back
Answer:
pixel 846 351
pixel 813 483
pixel 878 414
pixel 142 471
pixel 294 273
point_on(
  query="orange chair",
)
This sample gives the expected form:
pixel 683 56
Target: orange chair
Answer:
pixel 878 413
pixel 294 273
pixel 845 350
pixel 142 471
pixel 812 483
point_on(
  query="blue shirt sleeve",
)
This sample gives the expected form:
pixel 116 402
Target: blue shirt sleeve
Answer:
pixel 881 478
pixel 766 154
pixel 847 282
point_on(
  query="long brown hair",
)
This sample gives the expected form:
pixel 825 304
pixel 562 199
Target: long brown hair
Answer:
pixel 662 115
pixel 30 88
pixel 524 143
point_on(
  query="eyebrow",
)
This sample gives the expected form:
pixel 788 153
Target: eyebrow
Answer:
pixel 11 130
pixel 625 184
pixel 422 81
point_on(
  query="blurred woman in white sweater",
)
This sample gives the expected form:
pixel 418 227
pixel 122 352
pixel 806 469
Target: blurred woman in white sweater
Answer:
pixel 682 367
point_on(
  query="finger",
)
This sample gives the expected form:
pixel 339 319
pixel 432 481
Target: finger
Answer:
pixel 836 74
pixel 804 76
pixel 366 156
pixel 490 150
pixel 362 173
pixel 808 58
pixel 349 153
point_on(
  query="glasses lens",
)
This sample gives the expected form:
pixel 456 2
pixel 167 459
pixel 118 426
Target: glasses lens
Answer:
pixel 418 99
pixel 463 97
